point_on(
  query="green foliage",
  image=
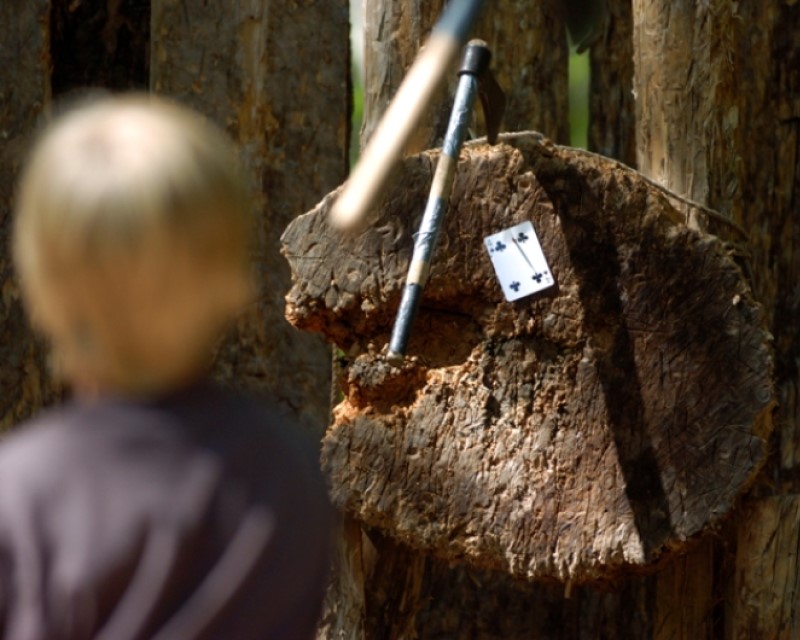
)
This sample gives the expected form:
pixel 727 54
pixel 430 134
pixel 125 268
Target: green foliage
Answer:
pixel 579 99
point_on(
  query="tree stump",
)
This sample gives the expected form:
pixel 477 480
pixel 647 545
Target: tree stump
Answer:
pixel 575 434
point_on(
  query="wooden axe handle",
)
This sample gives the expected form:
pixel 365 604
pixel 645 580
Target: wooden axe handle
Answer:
pixel 404 112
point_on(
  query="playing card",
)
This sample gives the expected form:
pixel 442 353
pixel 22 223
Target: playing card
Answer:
pixel 518 261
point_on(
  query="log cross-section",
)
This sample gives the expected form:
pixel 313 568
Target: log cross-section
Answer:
pixel 572 435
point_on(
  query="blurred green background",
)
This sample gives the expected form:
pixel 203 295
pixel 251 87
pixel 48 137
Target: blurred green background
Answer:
pixel 579 99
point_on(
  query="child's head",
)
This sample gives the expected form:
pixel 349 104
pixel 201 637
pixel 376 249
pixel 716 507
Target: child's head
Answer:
pixel 131 243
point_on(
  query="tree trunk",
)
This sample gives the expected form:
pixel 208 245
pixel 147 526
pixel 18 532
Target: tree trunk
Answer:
pixel 532 70
pixel 612 120
pixel 276 76
pixel 25 96
pixel 717 87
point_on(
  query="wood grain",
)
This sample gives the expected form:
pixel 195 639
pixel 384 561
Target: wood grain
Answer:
pixel 275 75
pixel 719 120
pixel 24 98
pixel 571 435
pixel 531 70
pixel 612 112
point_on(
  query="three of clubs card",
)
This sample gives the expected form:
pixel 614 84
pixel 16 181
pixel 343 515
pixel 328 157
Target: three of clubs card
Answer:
pixel 518 261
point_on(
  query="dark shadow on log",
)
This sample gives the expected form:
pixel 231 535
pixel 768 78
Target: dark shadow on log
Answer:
pixel 413 595
pixel 594 256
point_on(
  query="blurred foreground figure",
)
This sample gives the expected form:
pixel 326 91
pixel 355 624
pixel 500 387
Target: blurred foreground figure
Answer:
pixel 155 505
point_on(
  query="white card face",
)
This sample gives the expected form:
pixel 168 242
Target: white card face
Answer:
pixel 518 261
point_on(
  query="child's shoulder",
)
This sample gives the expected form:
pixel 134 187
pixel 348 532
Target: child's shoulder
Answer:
pixel 102 489
pixel 43 437
pixel 38 455
pixel 119 445
pixel 243 431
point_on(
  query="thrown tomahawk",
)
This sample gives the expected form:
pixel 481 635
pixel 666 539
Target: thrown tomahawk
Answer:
pixel 475 78
pixel 404 112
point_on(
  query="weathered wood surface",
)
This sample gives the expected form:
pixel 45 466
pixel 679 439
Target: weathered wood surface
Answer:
pixel 275 75
pixel 767 577
pixel 532 70
pixel 569 435
pixel 612 113
pixel 717 87
pixel 413 595
pixel 24 97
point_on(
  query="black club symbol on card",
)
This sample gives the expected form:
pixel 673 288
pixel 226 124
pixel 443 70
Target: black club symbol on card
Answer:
pixel 522 236
pixel 515 286
pixel 538 277
pixel 499 246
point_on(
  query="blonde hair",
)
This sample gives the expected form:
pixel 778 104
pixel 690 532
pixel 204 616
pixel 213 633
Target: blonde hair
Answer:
pixel 130 242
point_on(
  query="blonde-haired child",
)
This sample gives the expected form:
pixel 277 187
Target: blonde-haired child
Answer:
pixel 155 504
pixel 131 242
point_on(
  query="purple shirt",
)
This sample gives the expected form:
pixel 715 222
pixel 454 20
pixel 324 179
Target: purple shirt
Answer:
pixel 200 515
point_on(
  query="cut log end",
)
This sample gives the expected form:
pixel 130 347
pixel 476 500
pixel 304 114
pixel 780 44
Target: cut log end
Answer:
pixel 573 434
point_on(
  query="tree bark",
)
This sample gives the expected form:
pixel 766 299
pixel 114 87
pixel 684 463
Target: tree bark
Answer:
pixel 717 87
pixel 275 75
pixel 24 98
pixel 532 70
pixel 764 599
pixel 612 117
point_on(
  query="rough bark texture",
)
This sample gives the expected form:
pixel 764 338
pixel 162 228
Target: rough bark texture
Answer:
pixel 532 70
pixel 717 87
pixel 344 610
pixel 766 582
pixel 275 75
pixel 24 96
pixel 612 118
pixel 47 49
pixel 677 74
pixel 565 436
pixel 429 598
